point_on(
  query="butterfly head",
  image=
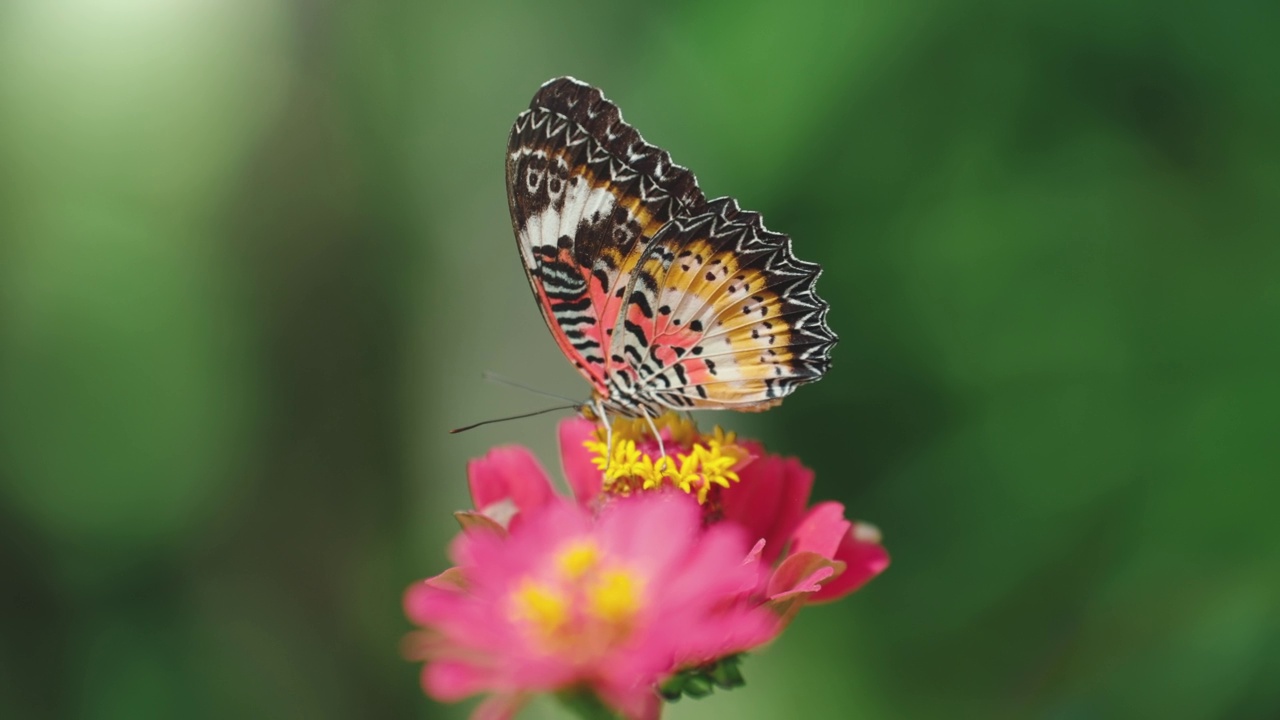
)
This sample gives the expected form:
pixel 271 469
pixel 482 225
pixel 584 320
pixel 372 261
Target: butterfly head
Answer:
pixel 590 410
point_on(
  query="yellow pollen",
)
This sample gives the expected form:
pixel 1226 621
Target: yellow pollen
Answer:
pixel 579 559
pixel 615 598
pixel 540 606
pixel 711 460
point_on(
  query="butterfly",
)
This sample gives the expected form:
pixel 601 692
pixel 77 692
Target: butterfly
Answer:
pixel 660 298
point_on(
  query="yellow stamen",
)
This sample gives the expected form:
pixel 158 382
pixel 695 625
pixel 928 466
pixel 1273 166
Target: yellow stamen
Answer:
pixel 615 598
pixel 599 451
pixel 578 559
pixel 720 437
pixel 711 460
pixel 584 606
pixel 541 606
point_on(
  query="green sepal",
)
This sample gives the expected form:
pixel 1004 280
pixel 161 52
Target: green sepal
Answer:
pixel 699 686
pixel 673 688
pixel 701 681
pixel 726 674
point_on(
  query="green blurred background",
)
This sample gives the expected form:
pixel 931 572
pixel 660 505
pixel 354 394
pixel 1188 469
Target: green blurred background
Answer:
pixel 255 253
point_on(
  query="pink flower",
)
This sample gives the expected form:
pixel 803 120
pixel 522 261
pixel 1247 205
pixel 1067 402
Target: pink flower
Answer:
pixel 567 599
pixel 826 556
pixel 818 555
pixel 504 483
pixel 681 551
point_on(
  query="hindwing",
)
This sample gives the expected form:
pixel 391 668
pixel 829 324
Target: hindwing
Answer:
pixel 723 314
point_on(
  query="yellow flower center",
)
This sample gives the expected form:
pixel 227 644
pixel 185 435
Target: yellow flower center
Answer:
pixel 614 597
pixel 633 463
pixel 576 560
pixel 582 606
pixel 541 607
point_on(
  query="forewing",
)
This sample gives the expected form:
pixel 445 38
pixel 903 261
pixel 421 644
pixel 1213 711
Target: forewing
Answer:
pixel 586 195
pixel 721 314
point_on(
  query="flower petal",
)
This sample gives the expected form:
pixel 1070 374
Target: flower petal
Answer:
pixel 863 557
pixel 509 473
pixel 681 595
pixel 796 582
pixel 630 700
pixel 448 681
pixel 821 531
pixel 800 573
pixel 584 478
pixel 423 598
pixel 770 499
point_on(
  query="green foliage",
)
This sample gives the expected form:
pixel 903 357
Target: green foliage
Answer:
pixel 254 254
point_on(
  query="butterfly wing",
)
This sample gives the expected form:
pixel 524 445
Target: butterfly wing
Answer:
pixel 721 314
pixel 586 194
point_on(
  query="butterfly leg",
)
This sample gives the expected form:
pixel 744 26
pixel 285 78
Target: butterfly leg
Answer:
pixel 598 409
pixel 656 435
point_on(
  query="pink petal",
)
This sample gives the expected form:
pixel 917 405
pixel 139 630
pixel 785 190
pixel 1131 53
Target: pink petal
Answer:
pixel 508 473
pixel 864 558
pixel 796 582
pixel 800 573
pixel 734 629
pixel 423 598
pixel 770 500
pixel 634 702
pixel 584 479
pixel 449 681
pixel 821 531
pixel 652 708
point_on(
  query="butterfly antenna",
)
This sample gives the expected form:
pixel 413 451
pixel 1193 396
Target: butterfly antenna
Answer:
pixel 501 380
pixel 514 417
